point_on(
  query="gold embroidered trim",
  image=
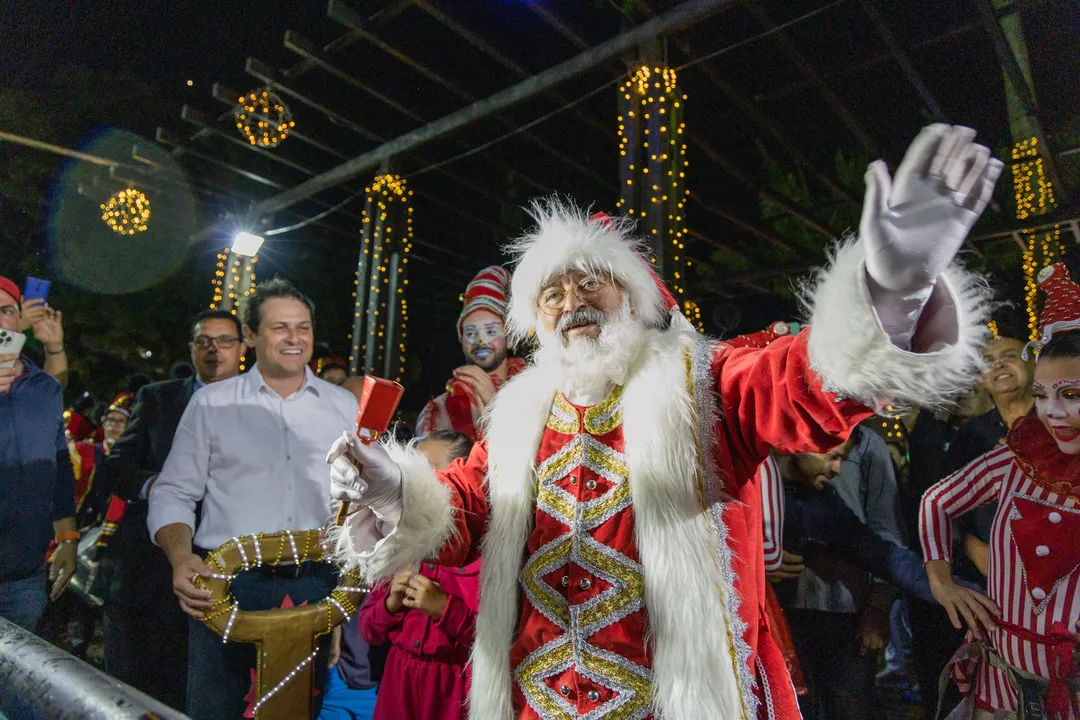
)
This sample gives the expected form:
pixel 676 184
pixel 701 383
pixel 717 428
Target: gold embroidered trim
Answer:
pixel 563 417
pixel 606 415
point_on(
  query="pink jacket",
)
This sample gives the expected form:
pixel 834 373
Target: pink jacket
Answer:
pixel 447 639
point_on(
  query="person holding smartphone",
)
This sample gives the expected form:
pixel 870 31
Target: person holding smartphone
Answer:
pixel 37 484
pixel 48 326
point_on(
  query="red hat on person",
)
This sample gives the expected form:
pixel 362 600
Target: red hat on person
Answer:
pixel 1061 311
pixel 10 288
pixel 486 291
pixel 566 238
pixel 666 297
pixel 124 403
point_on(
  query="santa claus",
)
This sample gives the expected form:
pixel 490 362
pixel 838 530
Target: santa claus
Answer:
pixel 611 499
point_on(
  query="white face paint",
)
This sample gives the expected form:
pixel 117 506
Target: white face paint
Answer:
pixel 483 340
pixel 1057 400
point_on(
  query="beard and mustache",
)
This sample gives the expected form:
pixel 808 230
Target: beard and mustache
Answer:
pixel 585 365
pixel 488 361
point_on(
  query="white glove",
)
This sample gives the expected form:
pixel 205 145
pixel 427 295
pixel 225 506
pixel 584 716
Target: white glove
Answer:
pixel 913 225
pixel 377 481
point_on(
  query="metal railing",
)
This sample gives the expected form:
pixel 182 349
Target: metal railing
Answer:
pixel 41 682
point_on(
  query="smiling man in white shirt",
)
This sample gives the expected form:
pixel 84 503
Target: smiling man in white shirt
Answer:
pixel 253 450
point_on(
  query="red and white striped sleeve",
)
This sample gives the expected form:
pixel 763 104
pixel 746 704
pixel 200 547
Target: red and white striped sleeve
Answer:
pixel 772 512
pixel 977 483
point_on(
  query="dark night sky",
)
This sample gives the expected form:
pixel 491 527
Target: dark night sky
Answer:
pixel 166 43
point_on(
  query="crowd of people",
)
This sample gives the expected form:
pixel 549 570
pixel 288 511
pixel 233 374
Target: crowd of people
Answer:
pixel 798 522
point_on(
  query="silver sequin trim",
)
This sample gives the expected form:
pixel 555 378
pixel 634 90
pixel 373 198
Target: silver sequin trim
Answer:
pixel 765 690
pixel 701 355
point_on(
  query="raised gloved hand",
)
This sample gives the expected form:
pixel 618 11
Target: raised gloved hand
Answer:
pixel 362 472
pixel 914 224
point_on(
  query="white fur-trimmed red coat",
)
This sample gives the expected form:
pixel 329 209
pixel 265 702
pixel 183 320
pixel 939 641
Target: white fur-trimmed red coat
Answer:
pixel 698 418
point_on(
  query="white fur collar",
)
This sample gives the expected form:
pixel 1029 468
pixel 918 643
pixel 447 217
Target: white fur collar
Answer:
pixel 685 560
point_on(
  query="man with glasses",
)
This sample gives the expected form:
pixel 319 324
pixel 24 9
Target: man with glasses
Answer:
pixel 612 499
pixel 145 632
pixel 482 334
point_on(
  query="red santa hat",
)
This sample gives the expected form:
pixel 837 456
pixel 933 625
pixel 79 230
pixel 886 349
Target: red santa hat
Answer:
pixel 486 291
pixel 1061 310
pixel 566 238
pixel 10 288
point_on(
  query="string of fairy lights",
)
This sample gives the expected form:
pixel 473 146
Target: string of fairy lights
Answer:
pixel 126 212
pixel 1034 195
pixel 263 118
pixel 653 162
pixel 234 279
pixel 387 229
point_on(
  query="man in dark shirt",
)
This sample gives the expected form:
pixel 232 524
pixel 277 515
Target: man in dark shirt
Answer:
pixel 37 484
pixel 146 633
pixel 1008 380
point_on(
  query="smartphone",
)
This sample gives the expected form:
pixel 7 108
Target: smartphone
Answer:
pixel 11 342
pixel 36 289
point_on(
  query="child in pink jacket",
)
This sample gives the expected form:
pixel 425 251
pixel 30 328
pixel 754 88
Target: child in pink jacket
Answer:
pixel 429 617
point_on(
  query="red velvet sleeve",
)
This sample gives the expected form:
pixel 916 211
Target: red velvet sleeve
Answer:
pixel 772 399
pixel 465 479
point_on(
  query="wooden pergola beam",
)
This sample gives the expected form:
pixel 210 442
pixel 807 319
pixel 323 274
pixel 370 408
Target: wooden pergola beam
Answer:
pixel 229 97
pixel 738 174
pixel 795 56
pixel 306 49
pixel 896 50
pixel 268 75
pixel 480 44
pixel 682 15
pixel 752 228
pixel 762 121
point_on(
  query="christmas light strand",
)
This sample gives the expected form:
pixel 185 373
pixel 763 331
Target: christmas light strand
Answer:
pixel 126 212
pixel 1034 195
pixel 263 118
pixel 387 229
pixel 652 151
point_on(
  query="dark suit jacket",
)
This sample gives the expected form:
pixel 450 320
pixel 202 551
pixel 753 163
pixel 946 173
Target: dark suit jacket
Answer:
pixel 140 571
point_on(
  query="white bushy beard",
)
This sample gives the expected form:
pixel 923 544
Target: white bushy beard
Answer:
pixel 587 367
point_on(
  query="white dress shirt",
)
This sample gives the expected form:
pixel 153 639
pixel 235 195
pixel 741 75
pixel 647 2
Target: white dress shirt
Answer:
pixel 257 461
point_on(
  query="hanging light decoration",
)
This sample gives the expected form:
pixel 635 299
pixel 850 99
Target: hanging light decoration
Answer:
pixel 1034 195
pixel 381 312
pixel 652 170
pixel 126 212
pixel 263 118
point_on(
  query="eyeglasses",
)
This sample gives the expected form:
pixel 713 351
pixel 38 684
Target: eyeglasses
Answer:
pixel 553 299
pixel 225 342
